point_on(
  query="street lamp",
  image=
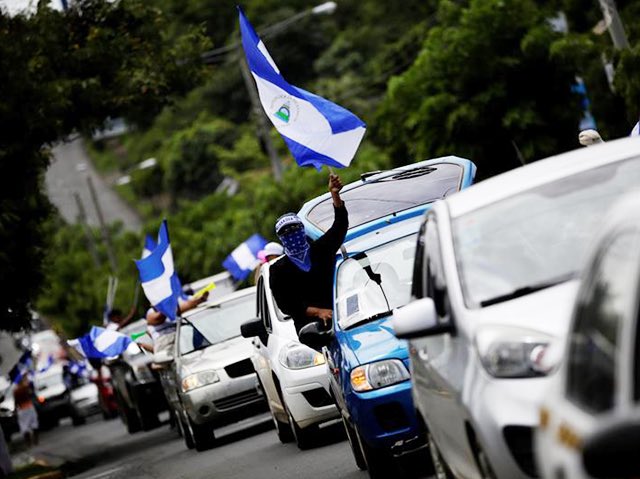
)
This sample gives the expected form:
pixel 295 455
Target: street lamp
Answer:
pixel 263 125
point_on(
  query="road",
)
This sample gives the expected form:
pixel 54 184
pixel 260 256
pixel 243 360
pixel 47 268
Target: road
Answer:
pixel 103 450
pixel 68 174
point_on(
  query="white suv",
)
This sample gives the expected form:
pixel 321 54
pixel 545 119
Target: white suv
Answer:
pixel 294 377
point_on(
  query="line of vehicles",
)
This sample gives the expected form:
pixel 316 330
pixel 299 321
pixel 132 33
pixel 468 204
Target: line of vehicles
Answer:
pixel 467 332
pixel 62 388
pixel 479 331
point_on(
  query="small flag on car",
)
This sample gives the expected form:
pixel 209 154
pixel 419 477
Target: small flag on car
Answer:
pixel 243 260
pixel 149 246
pixel 101 343
pixel 22 367
pixel 158 277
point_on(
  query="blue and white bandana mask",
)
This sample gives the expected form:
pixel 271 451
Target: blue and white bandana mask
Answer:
pixel 295 243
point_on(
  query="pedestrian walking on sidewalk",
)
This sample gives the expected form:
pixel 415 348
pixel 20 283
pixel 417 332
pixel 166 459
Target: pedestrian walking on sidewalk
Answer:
pixel 26 411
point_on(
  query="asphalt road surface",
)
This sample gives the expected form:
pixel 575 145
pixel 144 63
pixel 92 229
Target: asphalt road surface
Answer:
pixel 68 173
pixel 103 450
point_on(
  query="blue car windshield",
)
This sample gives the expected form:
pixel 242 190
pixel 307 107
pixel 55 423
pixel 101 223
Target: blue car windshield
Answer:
pixel 375 281
pixel 216 324
pixel 392 194
pixel 536 238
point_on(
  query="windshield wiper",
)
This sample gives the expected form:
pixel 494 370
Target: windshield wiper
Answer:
pixel 525 290
pixel 383 314
pixel 408 174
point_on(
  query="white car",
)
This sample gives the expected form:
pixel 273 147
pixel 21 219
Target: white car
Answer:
pixel 590 417
pixel 293 376
pixel 494 283
pixel 211 381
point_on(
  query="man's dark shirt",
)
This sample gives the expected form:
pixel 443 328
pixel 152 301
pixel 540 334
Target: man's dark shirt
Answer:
pixel 295 290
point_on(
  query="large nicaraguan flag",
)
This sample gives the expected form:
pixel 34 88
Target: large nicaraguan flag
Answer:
pixel 317 131
pixel 158 276
pixel 243 260
pixel 100 343
pixel 22 367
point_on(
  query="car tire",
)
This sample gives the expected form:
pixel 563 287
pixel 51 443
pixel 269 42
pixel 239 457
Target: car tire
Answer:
pixel 185 431
pixel 131 420
pixel 441 469
pixel 203 435
pixel 302 437
pixel 482 460
pixel 358 455
pixel 77 419
pixel 380 463
pixel 148 420
pixel 283 430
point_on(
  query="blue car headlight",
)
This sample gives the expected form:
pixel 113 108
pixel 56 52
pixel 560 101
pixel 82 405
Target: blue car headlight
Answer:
pixel 378 375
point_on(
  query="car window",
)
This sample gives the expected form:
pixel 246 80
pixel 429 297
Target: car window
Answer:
pixel 375 281
pixel 417 284
pixel 391 194
pixel 264 307
pixel 433 274
pixel 636 360
pixel 538 237
pixel 215 324
pixel 603 303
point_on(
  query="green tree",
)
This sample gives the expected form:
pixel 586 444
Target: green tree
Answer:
pixel 484 86
pixel 66 71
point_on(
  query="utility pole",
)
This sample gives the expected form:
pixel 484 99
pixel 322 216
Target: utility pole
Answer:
pixel 614 24
pixel 82 219
pixel 103 227
pixel 263 126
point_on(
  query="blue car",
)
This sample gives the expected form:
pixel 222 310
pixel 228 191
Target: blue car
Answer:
pixel 368 365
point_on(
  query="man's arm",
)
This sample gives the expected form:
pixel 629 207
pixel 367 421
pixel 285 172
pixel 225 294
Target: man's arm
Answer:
pixel 126 320
pixel 334 236
pixel 156 317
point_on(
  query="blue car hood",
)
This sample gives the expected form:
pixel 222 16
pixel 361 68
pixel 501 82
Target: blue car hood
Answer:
pixel 375 341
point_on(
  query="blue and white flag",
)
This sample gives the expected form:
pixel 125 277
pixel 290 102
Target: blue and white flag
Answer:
pixel 243 260
pixel 317 131
pixel 78 368
pixel 149 246
pixel 21 368
pixel 101 343
pixel 48 363
pixel 158 277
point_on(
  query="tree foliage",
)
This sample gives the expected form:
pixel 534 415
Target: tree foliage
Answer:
pixel 66 71
pixel 486 79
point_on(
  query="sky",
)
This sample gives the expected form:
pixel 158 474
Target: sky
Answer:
pixel 14 6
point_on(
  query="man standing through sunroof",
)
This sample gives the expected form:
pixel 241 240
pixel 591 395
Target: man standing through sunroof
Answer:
pixel 302 279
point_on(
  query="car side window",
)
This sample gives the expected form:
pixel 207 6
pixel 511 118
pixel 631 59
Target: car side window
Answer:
pixel 417 283
pixel 636 361
pixel 603 304
pixel 264 307
pixel 434 280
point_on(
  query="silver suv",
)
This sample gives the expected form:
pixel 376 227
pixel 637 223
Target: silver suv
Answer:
pixel 212 382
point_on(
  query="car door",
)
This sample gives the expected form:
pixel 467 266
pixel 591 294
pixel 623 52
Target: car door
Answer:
pixel 606 303
pixel 262 361
pixel 439 361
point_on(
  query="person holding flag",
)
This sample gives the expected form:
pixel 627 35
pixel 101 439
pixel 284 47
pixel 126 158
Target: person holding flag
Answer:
pixel 162 288
pixel 302 279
